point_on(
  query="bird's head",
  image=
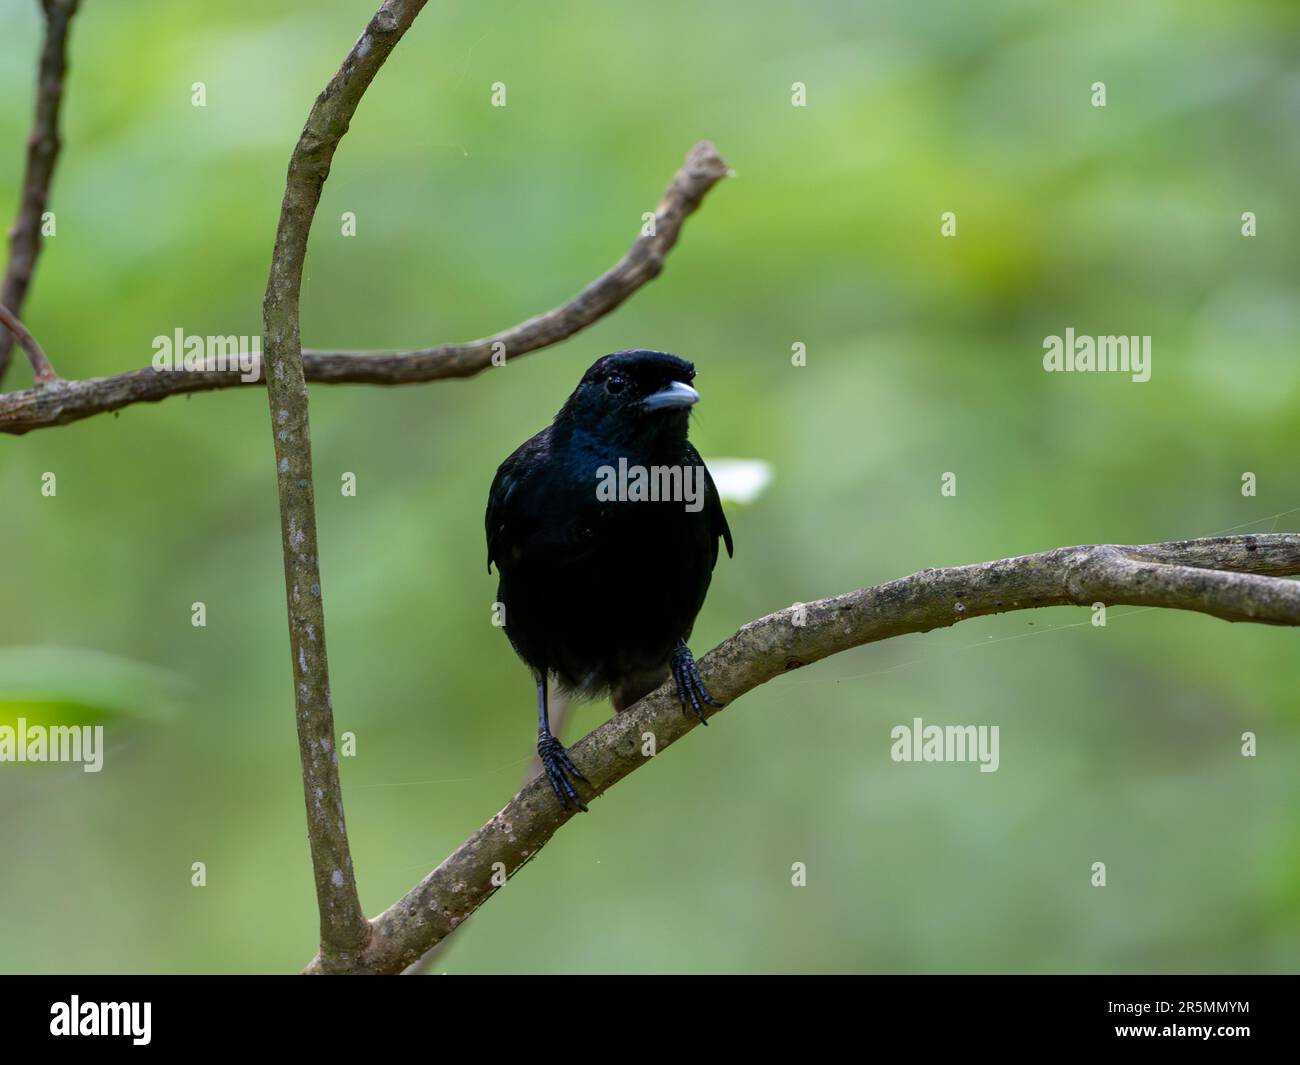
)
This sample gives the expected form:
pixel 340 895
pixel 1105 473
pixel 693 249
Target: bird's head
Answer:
pixel 645 395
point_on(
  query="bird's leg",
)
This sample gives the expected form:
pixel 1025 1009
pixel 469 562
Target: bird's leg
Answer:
pixel 691 691
pixel 555 759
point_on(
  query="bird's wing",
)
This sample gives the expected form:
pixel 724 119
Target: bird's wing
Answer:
pixel 541 506
pixel 503 518
pixel 718 527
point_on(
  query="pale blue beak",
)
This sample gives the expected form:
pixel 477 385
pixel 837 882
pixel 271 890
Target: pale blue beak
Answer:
pixel 677 394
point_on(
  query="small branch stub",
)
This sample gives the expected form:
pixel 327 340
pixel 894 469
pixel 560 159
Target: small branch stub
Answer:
pixel 41 367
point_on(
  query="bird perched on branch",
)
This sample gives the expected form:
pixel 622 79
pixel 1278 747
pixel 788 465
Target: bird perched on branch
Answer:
pixel 604 528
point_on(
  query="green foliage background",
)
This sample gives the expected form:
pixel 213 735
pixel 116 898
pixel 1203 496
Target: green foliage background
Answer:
pixel 1118 744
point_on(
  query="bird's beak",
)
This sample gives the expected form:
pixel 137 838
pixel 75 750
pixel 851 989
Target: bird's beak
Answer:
pixel 677 394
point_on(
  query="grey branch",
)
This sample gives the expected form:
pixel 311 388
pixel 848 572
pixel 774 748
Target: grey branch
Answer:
pixel 1235 578
pixel 42 154
pixel 41 408
pixel 344 930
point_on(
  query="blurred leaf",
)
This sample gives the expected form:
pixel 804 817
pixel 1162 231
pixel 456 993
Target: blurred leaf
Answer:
pixel 49 684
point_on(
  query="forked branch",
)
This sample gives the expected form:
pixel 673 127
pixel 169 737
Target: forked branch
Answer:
pixel 1235 578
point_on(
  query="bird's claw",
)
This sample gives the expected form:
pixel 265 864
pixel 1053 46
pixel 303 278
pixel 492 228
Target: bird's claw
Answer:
pixel 559 769
pixel 691 691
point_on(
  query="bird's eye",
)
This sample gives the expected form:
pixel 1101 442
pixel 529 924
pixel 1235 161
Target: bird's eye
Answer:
pixel 615 384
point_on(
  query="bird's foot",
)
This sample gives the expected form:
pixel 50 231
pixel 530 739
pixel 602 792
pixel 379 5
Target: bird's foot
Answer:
pixel 560 770
pixel 691 692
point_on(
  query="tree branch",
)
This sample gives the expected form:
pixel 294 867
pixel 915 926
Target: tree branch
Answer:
pixel 1234 578
pixel 41 408
pixel 561 709
pixel 15 330
pixel 344 930
pixel 42 154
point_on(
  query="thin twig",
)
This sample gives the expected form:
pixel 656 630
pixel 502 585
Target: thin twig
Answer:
pixel 344 930
pixel 42 154
pixel 21 412
pixel 15 330
pixel 1233 577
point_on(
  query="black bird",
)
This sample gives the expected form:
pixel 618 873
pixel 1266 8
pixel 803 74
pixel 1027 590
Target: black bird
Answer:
pixel 600 582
